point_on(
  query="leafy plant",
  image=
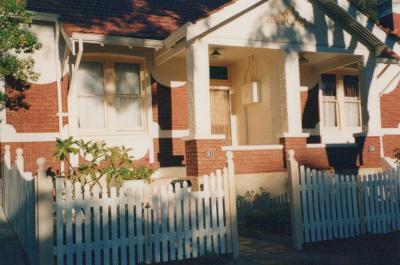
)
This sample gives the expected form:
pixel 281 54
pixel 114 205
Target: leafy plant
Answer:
pixel 397 155
pixel 101 161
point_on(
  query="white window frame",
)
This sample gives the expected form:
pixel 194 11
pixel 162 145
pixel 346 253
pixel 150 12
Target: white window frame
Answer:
pixel 110 128
pixel 340 100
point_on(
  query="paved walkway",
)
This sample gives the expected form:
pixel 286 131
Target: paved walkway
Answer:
pixel 10 250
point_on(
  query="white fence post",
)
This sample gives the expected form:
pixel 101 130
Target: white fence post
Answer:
pixel 232 205
pixel 7 156
pixel 19 161
pixel 44 214
pixel 295 202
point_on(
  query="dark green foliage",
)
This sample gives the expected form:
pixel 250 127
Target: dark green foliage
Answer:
pixel 16 40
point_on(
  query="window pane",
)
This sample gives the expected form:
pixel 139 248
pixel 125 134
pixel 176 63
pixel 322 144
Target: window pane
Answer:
pixel 91 112
pixel 328 85
pixel 330 114
pixel 219 72
pixel 128 112
pixel 127 77
pixel 90 78
pixel 351 86
pixel 352 110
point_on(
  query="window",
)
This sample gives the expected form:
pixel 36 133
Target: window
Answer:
pixel 329 99
pixel 352 102
pixel 219 73
pixel 109 96
pixel 341 100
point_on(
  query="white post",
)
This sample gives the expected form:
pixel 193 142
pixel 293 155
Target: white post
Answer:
pixel 19 160
pixel 198 86
pixel 232 205
pixel 44 214
pixel 292 100
pixel 295 202
pixel 7 156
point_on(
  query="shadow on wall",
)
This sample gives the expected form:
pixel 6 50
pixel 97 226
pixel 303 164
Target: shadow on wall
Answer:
pixel 162 103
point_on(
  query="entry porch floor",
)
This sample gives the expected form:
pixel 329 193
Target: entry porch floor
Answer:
pixel 276 250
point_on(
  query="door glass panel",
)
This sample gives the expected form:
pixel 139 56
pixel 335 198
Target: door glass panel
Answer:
pixel 220 114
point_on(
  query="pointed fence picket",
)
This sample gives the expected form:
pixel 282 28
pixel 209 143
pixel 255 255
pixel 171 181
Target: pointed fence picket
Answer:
pixel 145 224
pixel 343 206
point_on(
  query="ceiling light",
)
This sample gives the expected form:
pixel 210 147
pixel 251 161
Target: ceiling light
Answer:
pixel 216 55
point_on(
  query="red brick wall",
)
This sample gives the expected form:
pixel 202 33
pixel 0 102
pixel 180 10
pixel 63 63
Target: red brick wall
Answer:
pixel 33 151
pixel 390 109
pixel 259 161
pixel 170 107
pixel 41 112
pixel 310 108
pixel 390 142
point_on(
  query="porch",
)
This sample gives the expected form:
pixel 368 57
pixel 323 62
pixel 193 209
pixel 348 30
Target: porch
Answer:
pixel 260 102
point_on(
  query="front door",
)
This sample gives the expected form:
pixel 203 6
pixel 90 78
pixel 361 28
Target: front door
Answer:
pixel 220 113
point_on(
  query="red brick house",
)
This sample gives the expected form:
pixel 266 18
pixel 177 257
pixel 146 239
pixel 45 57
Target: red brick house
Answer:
pixel 182 82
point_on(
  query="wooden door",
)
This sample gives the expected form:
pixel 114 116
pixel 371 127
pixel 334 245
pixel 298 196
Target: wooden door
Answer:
pixel 220 114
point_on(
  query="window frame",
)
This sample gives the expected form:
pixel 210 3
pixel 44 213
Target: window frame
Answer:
pixel 110 93
pixel 341 100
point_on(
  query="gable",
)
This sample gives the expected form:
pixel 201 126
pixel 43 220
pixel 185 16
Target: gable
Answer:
pixel 304 23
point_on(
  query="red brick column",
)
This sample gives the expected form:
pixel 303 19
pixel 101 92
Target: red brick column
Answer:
pixel 370 150
pixel 298 144
pixel 203 156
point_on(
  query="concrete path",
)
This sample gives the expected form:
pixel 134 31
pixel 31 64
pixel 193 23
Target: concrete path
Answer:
pixel 10 249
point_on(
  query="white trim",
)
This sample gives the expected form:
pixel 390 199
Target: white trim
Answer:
pixel 114 40
pixel 210 137
pixel 301 47
pixel 165 134
pixel 177 84
pixel 209 23
pixel 252 147
pixel 390 131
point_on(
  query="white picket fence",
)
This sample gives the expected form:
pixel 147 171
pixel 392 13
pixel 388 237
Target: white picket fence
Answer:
pixel 19 202
pixel 146 224
pixel 328 207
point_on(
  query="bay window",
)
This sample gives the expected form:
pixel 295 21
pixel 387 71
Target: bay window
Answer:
pixel 110 97
pixel 341 105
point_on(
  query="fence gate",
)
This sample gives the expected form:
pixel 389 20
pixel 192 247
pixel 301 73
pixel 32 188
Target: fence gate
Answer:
pixel 328 207
pixel 146 224
pixel 19 202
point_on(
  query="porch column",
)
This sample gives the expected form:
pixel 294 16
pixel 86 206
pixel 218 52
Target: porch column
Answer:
pixel 203 153
pixel 293 136
pixel 198 86
pixel 292 126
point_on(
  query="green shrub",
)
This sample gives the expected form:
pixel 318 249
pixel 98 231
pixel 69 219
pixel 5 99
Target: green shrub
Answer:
pixel 112 163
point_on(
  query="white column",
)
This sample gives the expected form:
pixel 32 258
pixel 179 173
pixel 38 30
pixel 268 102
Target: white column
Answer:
pixel 292 126
pixel 198 86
